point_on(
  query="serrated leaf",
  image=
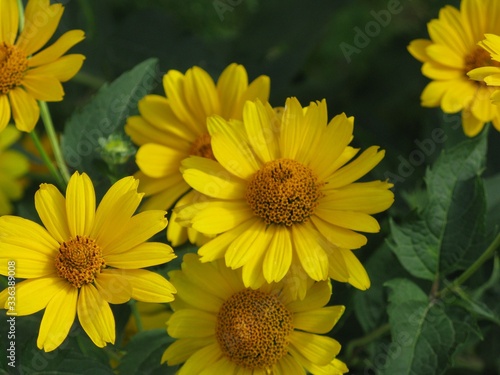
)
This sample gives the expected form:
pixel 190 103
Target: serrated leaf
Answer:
pixel 143 353
pixel 448 234
pixel 105 114
pixel 426 334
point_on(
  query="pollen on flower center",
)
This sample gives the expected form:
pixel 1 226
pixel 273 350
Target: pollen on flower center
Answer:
pixel 202 147
pixel 284 191
pixel 253 329
pixel 13 66
pixel 79 261
pixel 478 59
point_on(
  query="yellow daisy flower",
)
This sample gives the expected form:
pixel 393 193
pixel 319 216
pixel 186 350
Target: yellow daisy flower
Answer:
pixel 451 53
pixel 171 128
pixel 83 259
pixel 13 166
pixel 283 199
pixel 222 327
pixel 490 74
pixel 27 73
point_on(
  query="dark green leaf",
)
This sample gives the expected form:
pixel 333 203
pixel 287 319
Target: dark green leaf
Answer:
pixel 144 352
pixel 426 334
pixel 448 234
pixel 104 115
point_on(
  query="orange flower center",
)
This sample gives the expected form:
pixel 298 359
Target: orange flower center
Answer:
pixel 253 329
pixel 79 261
pixel 478 59
pixel 284 191
pixel 13 66
pixel 202 147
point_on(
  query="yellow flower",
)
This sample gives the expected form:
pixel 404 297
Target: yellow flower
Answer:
pixel 451 53
pixel 171 128
pixel 490 74
pixel 83 259
pixel 13 166
pixel 283 199
pixel 27 73
pixel 222 327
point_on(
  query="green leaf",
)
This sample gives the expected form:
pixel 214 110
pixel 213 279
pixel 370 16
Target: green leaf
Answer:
pixel 426 334
pixel 449 232
pixel 104 115
pixel 144 352
pixel 370 305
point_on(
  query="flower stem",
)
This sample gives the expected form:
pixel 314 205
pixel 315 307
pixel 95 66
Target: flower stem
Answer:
pixel 362 341
pixel 136 315
pixel 46 159
pixel 473 267
pixel 20 6
pixel 54 142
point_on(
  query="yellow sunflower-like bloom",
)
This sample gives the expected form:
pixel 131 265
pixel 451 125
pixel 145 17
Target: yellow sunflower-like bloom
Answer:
pixel 171 128
pixel 490 74
pixel 283 200
pixel 27 73
pixel 83 259
pixel 451 53
pixel 222 327
pixel 13 166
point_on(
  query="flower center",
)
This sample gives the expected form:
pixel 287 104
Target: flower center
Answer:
pixel 79 261
pixel 479 58
pixel 202 147
pixel 253 329
pixel 13 66
pixel 284 191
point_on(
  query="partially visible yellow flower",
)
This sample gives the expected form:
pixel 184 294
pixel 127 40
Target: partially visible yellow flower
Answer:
pixel 28 73
pixel 283 198
pixel 222 327
pixel 490 74
pixel 83 259
pixel 171 128
pixel 13 166
pixel 451 53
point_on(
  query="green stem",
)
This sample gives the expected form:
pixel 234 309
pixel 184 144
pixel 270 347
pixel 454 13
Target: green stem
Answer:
pixel 473 268
pixel 88 79
pixel 54 142
pixel 362 341
pixel 46 159
pixel 136 315
pixel 20 6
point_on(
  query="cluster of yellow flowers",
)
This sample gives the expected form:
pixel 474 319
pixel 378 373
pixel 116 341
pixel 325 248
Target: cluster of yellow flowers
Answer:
pixel 270 195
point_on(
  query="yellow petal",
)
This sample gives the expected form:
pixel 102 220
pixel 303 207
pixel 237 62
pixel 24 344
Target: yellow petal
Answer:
pixel 4 112
pixel 318 320
pixel 190 323
pixel 58 318
pixel 418 47
pixel 278 256
pixel 242 248
pixel 311 255
pixel 291 129
pixel 317 296
pixel 147 286
pixel 144 255
pixel 64 68
pixel 33 295
pixel 13 164
pixel 43 87
pixel 340 237
pixel 36 33
pixel 156 160
pixel 252 270
pixel 232 83
pixel 181 349
pixel 471 124
pixel 216 217
pixel 433 93
pixel 358 277
pixel 347 219
pixel 25 110
pixel 31 258
pixel 113 288
pixel 211 179
pixel 80 204
pixel 51 207
pixel 288 365
pixel 201 95
pixel 59 48
pixel 10 21
pixel 20 229
pixel 201 359
pixel 259 88
pixel 137 230
pixel 95 316
pixel 459 94
pixel 316 349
